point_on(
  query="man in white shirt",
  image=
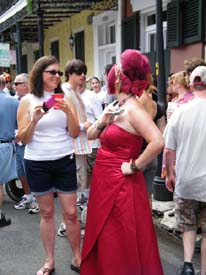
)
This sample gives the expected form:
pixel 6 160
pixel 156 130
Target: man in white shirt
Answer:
pixel 186 137
pixel 93 109
pixel 21 84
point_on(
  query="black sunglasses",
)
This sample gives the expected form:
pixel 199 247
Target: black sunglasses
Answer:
pixel 79 72
pixel 53 72
pixel 18 83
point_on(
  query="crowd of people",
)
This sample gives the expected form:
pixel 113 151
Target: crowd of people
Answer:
pixel 97 147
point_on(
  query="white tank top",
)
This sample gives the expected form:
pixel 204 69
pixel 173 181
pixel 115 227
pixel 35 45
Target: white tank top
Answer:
pixel 51 139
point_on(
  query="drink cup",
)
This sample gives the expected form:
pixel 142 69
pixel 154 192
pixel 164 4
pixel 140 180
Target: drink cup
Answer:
pixel 59 95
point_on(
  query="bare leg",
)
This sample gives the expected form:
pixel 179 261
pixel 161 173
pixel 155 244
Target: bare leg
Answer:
pixel 203 255
pixel 189 238
pixel 47 227
pixel 89 180
pixel 25 185
pixel 69 212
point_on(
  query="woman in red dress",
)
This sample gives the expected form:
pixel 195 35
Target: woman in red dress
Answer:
pixel 120 237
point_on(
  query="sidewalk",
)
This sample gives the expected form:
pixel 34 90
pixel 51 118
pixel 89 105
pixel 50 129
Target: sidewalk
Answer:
pixel 164 219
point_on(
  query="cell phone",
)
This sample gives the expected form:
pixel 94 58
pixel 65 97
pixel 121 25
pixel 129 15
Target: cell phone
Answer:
pixel 117 112
pixel 48 104
pixel 115 102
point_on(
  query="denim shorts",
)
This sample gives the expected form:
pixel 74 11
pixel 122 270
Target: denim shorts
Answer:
pixel 53 175
pixel 7 162
pixel 190 215
pixel 20 166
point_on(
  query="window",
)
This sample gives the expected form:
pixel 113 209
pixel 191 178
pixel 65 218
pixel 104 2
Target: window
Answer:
pixel 55 49
pixel 106 41
pixel 148 43
pixel 79 46
pixel 36 55
pixel 151 20
pixel 24 63
pixel 106 34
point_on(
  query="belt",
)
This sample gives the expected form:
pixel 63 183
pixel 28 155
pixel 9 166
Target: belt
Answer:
pixel 6 141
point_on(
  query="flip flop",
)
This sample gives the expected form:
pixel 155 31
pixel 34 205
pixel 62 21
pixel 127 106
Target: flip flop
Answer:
pixel 46 270
pixel 75 268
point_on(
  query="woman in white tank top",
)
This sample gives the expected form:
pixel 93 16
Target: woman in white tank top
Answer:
pixel 49 160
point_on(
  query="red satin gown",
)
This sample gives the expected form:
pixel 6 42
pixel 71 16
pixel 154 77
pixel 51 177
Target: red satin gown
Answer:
pixel 119 237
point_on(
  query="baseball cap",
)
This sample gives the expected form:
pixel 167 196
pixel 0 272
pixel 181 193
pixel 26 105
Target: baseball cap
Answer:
pixel 198 76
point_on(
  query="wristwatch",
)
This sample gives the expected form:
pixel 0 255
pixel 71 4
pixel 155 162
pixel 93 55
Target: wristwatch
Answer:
pixel 134 167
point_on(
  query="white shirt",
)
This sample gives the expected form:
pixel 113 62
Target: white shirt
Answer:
pixel 93 110
pixel 101 96
pixel 186 134
pixel 51 139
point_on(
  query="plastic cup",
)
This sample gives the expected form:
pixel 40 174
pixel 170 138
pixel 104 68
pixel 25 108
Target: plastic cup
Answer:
pixel 57 96
pixel 60 95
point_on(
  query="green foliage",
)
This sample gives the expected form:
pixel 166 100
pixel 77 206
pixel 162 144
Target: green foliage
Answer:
pixel 29 6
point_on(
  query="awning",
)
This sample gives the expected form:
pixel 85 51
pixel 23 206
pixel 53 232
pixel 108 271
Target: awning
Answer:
pixel 13 10
pixel 54 11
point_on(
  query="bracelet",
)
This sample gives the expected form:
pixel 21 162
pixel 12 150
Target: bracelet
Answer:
pixel 99 127
pixel 81 126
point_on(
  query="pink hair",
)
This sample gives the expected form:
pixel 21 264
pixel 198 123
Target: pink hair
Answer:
pixel 132 75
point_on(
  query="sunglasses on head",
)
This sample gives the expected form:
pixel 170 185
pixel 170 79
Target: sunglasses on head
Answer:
pixel 18 83
pixel 53 72
pixel 79 71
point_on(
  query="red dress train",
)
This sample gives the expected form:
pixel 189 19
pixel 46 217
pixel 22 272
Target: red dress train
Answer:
pixel 120 237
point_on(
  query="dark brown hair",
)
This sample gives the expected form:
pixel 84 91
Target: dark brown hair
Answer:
pixel 36 85
pixel 74 65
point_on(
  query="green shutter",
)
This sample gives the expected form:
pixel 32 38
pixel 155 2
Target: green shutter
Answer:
pixel 130 32
pixel 192 21
pixel 80 45
pixel 173 24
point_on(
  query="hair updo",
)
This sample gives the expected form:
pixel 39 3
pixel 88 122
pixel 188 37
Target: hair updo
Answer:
pixel 131 75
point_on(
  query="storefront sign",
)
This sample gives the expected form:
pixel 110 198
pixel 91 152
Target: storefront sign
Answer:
pixel 4 55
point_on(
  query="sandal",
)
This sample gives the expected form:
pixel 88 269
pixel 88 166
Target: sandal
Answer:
pixel 46 271
pixel 75 268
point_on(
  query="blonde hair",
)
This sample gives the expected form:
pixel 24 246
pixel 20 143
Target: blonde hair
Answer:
pixel 180 78
pixel 151 87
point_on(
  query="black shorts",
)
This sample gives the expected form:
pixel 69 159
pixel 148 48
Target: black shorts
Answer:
pixel 52 175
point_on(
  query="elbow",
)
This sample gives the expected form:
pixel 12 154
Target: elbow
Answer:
pixel 89 135
pixel 160 144
pixel 75 132
pixel 21 137
pixel 25 140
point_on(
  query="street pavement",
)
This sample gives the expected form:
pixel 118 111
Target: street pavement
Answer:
pixel 21 251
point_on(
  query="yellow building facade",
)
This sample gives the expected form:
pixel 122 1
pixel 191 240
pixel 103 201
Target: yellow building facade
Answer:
pixel 61 32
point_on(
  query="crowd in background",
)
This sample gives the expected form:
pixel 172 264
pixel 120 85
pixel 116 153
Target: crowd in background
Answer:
pixel 95 134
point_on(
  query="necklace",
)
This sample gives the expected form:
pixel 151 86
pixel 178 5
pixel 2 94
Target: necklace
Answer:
pixel 117 104
pixel 122 102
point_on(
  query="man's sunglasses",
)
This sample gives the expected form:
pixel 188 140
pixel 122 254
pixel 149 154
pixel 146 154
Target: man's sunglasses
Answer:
pixel 53 72
pixel 79 72
pixel 18 83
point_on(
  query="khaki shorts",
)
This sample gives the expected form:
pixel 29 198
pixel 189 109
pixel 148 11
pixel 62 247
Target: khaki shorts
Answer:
pixel 81 166
pixel 91 160
pixel 190 215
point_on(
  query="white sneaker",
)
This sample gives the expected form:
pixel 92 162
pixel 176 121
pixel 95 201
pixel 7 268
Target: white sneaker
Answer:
pixel 33 208
pixel 82 200
pixel 23 204
pixel 62 230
